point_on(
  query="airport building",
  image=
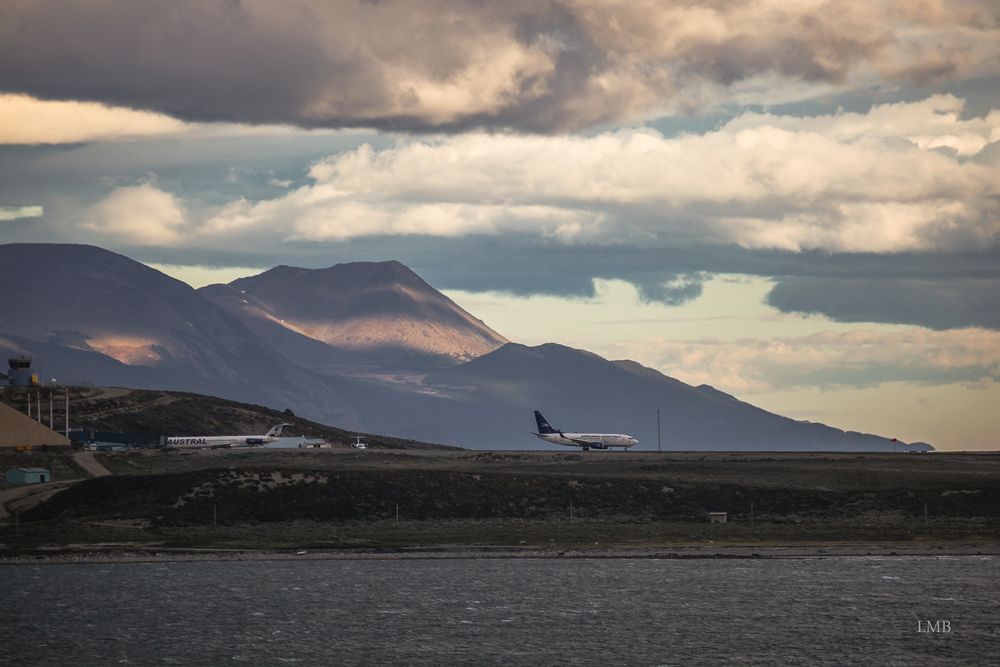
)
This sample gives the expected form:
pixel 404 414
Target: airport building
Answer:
pixel 19 373
pixel 112 441
pixel 28 476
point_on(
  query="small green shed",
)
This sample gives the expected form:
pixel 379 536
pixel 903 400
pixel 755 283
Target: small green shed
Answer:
pixel 28 476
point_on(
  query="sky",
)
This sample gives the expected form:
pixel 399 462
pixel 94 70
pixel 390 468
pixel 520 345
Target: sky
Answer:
pixel 795 201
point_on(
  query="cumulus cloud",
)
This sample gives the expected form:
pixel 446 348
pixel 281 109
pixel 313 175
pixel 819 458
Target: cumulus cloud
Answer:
pixel 840 183
pixel 856 216
pixel 28 120
pixel 828 359
pixel 141 215
pixel 935 122
pixel 530 65
pixel 25 120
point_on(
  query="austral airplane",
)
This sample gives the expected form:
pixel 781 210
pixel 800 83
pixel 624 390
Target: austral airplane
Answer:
pixel 585 440
pixel 215 441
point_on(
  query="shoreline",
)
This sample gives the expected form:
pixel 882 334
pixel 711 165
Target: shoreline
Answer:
pixel 126 555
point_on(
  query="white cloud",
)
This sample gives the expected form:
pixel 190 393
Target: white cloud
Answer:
pixel 18 212
pixel 140 215
pixel 322 214
pixel 935 122
pixel 853 358
pixel 26 120
pixel 902 177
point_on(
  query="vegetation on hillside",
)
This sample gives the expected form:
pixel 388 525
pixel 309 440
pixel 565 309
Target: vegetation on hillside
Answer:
pixel 270 499
pixel 156 412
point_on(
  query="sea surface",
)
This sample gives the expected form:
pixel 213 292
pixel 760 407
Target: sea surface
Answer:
pixel 817 611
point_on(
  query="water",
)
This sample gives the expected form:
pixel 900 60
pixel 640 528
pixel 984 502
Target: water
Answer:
pixel 822 611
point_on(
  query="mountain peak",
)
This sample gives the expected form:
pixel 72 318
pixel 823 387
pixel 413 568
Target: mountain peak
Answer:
pixel 365 307
pixel 351 272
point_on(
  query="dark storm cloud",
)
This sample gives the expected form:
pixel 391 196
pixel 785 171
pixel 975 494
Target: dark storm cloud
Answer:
pixel 937 290
pixel 936 304
pixel 449 64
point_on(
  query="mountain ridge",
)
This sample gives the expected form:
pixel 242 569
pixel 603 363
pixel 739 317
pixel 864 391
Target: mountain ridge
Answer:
pixel 361 308
pixel 134 325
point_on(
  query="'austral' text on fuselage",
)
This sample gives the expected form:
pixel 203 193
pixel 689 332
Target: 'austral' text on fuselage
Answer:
pixel 187 441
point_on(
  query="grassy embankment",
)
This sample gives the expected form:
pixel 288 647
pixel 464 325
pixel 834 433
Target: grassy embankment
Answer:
pixel 158 412
pixel 343 499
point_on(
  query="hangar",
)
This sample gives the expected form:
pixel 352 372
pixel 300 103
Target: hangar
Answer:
pixel 28 476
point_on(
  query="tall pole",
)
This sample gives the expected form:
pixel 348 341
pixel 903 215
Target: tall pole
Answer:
pixel 29 405
pixel 659 446
pixel 39 405
pixel 50 409
pixel 67 412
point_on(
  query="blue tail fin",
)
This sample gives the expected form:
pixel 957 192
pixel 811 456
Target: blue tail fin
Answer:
pixel 543 426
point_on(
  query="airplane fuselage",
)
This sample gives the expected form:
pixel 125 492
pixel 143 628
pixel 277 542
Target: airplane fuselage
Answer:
pixel 208 442
pixel 589 440
pixel 214 441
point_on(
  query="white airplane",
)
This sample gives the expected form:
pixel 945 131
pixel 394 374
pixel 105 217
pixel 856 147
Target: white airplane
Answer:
pixel 215 441
pixel 585 440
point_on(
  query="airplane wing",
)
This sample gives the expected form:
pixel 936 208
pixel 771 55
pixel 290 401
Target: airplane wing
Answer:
pixel 597 444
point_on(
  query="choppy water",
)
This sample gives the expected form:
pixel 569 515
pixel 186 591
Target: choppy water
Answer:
pixel 832 611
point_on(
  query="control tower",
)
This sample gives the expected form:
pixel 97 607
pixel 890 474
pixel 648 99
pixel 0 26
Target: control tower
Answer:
pixel 20 374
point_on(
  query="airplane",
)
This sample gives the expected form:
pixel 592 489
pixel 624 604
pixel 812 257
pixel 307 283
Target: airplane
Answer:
pixel 586 440
pixel 217 441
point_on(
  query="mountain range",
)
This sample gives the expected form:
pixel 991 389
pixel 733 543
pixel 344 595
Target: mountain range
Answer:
pixel 367 346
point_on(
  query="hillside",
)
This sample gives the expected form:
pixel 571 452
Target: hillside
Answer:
pixel 581 391
pixel 337 499
pixel 368 346
pixel 182 413
pixel 93 316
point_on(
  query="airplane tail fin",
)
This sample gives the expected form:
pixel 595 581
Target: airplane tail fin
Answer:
pixel 543 426
pixel 275 431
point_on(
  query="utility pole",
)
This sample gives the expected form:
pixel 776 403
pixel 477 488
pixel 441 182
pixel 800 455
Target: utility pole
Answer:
pixel 50 409
pixel 67 412
pixel 659 446
pixel 39 406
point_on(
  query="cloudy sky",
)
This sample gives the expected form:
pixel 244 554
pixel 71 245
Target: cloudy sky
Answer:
pixel 796 201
